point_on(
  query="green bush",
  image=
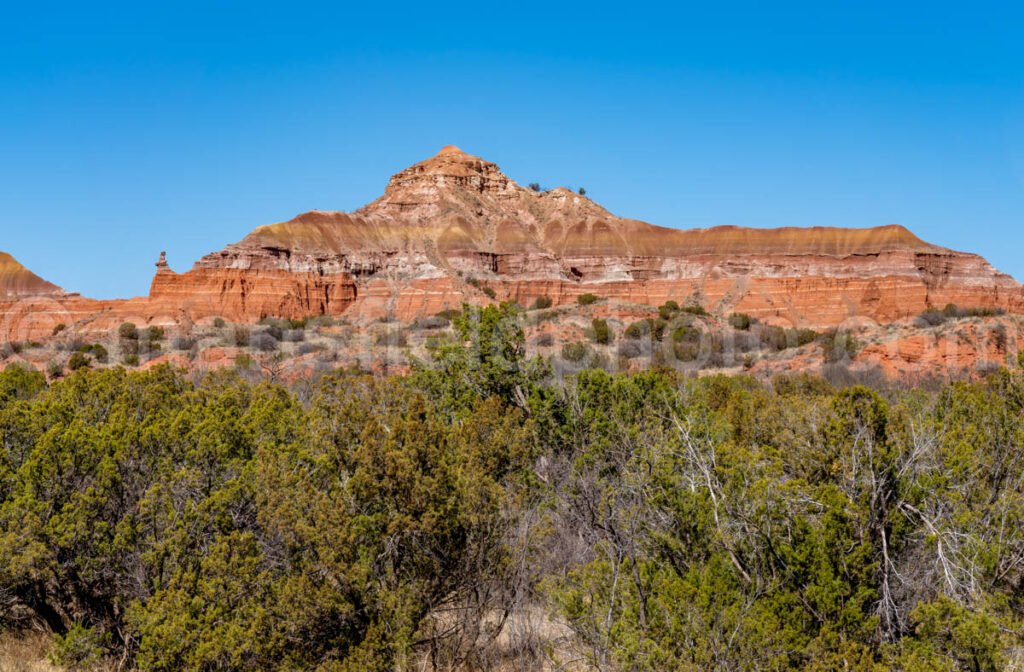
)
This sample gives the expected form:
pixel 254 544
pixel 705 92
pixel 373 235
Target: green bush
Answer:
pixel 449 314
pixel 685 351
pixel 128 332
pixel 600 332
pixel 839 346
pixel 155 333
pixel 79 360
pixel 587 299
pixel 542 303
pixel 59 328
pixel 545 340
pixel 686 334
pixel 164 521
pixel 934 317
pixel 391 339
pixel 219 323
pixel 80 648
pixel 575 352
pixel 668 310
pixel 649 327
pixel 740 321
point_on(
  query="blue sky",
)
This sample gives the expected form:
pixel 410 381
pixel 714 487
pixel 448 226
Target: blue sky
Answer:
pixel 130 128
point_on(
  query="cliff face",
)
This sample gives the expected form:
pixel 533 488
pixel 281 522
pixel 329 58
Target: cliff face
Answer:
pixel 451 225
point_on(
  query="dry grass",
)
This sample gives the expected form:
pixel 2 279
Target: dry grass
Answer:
pixel 25 652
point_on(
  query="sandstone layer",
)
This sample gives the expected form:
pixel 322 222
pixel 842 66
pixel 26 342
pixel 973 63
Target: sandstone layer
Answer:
pixel 450 226
pixel 454 228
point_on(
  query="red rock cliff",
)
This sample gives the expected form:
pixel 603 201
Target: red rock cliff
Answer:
pixel 454 223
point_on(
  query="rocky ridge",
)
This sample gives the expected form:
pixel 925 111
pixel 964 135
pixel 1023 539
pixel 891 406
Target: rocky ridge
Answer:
pixel 450 226
pixel 454 229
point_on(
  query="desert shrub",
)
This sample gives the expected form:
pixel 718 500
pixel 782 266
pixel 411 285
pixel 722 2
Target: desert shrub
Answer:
pixel 59 328
pixel 630 349
pixel 803 384
pixel 668 310
pixel 839 346
pixel 695 309
pixel 128 332
pixel 587 299
pixel 99 353
pixel 740 321
pixel 182 343
pixel 54 369
pixel 294 335
pixel 129 347
pixel 802 337
pixel 542 303
pixel 449 314
pixel 244 361
pixel 391 338
pixel 544 340
pixel 434 322
pixel 239 337
pixel 650 327
pixel 155 334
pixel 534 186
pixel 298 323
pixel 489 292
pixel 934 317
pixel 219 322
pixel 686 334
pixel 263 341
pixel 600 332
pixel 931 318
pixel 130 360
pixel 80 648
pixel 309 348
pixel 575 352
pixel 79 360
pixel 686 351
pixel 773 338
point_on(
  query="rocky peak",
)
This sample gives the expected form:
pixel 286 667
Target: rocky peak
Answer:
pixel 450 177
pixel 458 183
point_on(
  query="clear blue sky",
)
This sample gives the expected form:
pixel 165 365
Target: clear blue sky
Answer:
pixel 127 128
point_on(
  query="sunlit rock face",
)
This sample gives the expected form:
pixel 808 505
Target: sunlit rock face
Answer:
pixel 454 229
pixel 450 226
pixel 17 281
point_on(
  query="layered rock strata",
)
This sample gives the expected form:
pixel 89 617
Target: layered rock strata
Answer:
pixel 451 226
pixel 454 228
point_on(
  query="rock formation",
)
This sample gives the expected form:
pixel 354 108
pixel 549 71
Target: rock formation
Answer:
pixel 454 226
pixel 17 281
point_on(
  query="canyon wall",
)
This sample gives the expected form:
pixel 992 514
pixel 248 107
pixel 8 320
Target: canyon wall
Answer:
pixel 454 228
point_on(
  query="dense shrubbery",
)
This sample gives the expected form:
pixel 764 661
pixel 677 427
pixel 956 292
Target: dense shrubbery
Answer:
pixel 934 317
pixel 368 524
